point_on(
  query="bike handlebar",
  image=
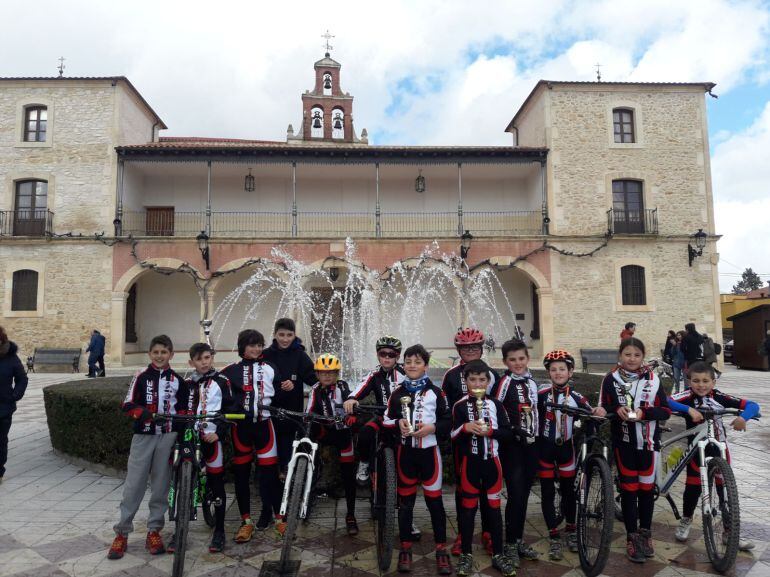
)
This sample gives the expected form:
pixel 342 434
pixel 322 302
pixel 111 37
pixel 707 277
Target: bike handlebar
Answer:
pixel 711 412
pixel 200 417
pixel 578 412
pixel 373 409
pixel 297 415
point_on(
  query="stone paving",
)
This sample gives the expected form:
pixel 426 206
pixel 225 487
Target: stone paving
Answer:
pixel 56 518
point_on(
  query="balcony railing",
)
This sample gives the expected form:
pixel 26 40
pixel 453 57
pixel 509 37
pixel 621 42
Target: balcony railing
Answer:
pixel 332 224
pixel 633 221
pixel 26 222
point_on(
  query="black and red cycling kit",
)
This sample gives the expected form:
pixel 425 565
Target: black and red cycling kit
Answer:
pixel 155 390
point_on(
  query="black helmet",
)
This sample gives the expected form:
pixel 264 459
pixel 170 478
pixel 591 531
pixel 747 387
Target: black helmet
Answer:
pixel 388 342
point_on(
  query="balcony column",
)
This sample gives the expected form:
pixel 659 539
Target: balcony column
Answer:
pixel 119 200
pixel 544 198
pixel 377 213
pixel 460 199
pixel 293 199
pixel 208 199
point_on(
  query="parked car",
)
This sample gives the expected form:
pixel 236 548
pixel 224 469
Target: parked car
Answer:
pixel 728 351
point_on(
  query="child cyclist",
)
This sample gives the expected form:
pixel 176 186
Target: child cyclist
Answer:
pixel 252 380
pixel 634 394
pixel 517 391
pixel 469 343
pixel 702 394
pixel 479 424
pixel 156 389
pixel 381 382
pixel 421 418
pixel 326 396
pixel 556 449
pixel 209 392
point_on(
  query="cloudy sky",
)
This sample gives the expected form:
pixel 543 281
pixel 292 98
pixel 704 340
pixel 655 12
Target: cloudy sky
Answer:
pixel 423 72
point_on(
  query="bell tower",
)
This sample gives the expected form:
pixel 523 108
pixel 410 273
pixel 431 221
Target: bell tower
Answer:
pixel 327 111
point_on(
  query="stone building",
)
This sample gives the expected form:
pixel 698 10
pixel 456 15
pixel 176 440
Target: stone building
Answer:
pixel 580 226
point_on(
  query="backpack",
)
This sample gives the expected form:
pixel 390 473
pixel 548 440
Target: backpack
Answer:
pixel 717 348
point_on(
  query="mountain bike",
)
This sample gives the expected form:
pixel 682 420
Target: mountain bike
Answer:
pixel 593 489
pixel 188 489
pixel 383 498
pixel 720 509
pixel 301 476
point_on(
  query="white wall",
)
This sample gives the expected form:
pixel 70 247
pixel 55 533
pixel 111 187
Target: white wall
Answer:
pixel 167 305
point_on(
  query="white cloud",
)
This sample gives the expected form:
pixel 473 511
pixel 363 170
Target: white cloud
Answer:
pixel 745 242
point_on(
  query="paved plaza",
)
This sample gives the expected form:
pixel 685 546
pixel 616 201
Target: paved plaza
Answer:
pixel 56 518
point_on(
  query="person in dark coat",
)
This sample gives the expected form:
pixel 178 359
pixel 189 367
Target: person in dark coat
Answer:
pixel 287 354
pixel 95 352
pixel 692 345
pixel 13 383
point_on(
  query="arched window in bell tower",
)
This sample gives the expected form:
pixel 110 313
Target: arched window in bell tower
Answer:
pixel 327 85
pixel 338 123
pixel 317 122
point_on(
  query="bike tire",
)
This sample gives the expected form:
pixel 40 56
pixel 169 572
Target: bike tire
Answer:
pixel 386 520
pixel 722 546
pixel 209 508
pixel 183 510
pixel 292 511
pixel 595 516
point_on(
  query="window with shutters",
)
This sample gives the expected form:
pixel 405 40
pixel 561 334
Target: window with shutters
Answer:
pixel 24 291
pixel 633 288
pixel 160 221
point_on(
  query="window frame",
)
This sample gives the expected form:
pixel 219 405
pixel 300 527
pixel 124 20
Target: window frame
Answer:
pixel 619 102
pixel 632 286
pixel 21 299
pixel 646 265
pixel 639 227
pixel 620 110
pixel 22 106
pixel 16 266
pixel 39 108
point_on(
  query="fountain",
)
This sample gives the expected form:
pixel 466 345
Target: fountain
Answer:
pixel 345 315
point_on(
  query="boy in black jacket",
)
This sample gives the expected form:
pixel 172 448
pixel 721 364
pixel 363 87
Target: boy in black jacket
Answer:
pixel 287 354
pixel 156 389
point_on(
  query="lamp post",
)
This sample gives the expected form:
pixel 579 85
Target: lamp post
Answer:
pixel 203 246
pixel 419 182
pixel 465 245
pixel 700 242
pixel 248 182
pixel 118 224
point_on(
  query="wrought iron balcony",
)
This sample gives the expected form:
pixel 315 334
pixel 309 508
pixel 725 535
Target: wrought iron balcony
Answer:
pixel 305 224
pixel 26 222
pixel 643 221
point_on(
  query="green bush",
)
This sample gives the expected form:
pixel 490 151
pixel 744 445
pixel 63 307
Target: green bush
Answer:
pixel 85 420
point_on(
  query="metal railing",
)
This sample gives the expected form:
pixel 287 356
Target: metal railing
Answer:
pixel 238 224
pixel 26 222
pixel 633 221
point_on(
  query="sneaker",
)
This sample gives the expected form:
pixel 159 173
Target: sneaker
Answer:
pixel 405 559
pixel 634 549
pixel 362 475
pixel 504 565
pixel 416 533
pixel 527 551
pixel 683 531
pixel 572 541
pixel 217 544
pixel 464 565
pixel 171 547
pixel 118 547
pixel 443 565
pixel 645 540
pixel 554 550
pixel 486 543
pixel 245 531
pixel 265 519
pixel 457 546
pixel 352 525
pixel 511 550
pixel 280 527
pixel 154 543
pixel 743 544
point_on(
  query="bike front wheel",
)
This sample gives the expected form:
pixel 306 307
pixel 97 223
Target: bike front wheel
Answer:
pixel 721 515
pixel 296 493
pixel 183 509
pixel 595 516
pixel 385 521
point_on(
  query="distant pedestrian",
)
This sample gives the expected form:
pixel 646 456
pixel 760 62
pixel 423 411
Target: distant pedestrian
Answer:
pixel 765 346
pixel 668 348
pixel 628 331
pixel 692 345
pixel 95 352
pixel 677 360
pixel 709 350
pixel 13 383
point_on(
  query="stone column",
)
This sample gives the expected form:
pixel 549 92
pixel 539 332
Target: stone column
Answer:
pixel 117 339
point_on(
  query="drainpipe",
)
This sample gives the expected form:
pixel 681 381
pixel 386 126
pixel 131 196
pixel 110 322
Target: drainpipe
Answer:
pixel 546 218
pixel 119 201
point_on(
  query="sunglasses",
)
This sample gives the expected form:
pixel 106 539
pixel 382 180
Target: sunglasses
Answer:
pixel 388 355
pixel 470 348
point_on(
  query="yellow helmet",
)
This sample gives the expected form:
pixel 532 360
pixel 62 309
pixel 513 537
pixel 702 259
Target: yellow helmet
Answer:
pixel 327 362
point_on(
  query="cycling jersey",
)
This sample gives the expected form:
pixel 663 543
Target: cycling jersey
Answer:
pixel 380 382
pixel 518 394
pixel 327 400
pixel 647 396
pixel 498 428
pixel 210 393
pixel 252 383
pixel 715 400
pixel 156 391
pixel 553 425
pixel 454 387
pixel 427 406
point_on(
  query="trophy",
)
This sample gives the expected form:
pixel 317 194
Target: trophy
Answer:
pixel 406 413
pixel 632 414
pixel 526 423
pixel 479 394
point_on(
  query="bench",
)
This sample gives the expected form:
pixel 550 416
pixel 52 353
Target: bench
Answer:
pixel 70 357
pixel 598 357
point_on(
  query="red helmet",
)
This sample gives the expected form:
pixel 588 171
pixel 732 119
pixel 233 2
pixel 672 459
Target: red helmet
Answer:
pixel 469 337
pixel 559 355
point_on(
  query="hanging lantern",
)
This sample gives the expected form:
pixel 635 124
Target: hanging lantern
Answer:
pixel 248 183
pixel 419 182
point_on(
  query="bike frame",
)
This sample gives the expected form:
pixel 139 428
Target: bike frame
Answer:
pixel 309 456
